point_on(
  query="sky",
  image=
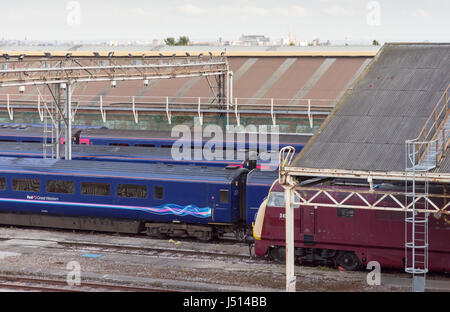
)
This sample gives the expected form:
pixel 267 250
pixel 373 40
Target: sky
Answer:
pixel 208 20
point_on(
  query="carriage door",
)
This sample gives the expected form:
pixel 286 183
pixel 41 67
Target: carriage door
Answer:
pixel 212 201
pixel 308 222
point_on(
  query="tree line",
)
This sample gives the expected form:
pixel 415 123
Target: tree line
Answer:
pixel 182 41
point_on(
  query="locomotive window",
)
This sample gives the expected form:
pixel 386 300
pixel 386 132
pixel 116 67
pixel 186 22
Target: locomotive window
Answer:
pixel 2 183
pixel 276 199
pixel 26 185
pixel 224 196
pixel 131 190
pixel 158 192
pixel 61 187
pixel 97 189
pixel 346 212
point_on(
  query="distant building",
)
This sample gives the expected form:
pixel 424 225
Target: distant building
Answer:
pixel 254 40
pixel 303 43
pixel 156 42
pixel 283 42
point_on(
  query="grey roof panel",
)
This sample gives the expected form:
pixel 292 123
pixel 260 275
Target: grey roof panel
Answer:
pixel 387 106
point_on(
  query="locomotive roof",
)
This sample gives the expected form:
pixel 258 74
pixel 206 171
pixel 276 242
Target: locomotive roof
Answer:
pixel 99 169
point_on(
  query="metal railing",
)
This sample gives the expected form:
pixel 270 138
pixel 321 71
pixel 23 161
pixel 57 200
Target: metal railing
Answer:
pixel 437 129
pixel 168 105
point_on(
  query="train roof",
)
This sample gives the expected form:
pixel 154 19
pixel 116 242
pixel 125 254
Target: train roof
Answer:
pixel 21 130
pixel 34 129
pixel 99 169
pixel 136 152
pixel 4 125
pixel 263 177
pixel 154 134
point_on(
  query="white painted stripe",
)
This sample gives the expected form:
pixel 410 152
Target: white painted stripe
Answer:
pixel 273 79
pixel 312 81
pixel 243 69
pixel 355 76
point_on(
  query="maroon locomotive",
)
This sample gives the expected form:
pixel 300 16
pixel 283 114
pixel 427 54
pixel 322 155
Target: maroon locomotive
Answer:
pixel 345 237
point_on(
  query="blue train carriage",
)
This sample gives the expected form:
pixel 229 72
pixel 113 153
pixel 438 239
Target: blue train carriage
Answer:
pixel 170 200
pixel 149 138
pixel 92 135
pixel 259 182
pixel 128 154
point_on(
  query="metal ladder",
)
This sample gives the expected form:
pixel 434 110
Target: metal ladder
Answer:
pixel 422 155
pixel 416 222
pixel 48 135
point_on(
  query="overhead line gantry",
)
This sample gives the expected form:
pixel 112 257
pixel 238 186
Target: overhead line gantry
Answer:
pixel 60 74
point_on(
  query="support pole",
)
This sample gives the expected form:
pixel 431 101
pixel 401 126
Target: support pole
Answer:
pixel 58 121
pixel 68 124
pixel 290 244
pixel 230 97
pixel 222 90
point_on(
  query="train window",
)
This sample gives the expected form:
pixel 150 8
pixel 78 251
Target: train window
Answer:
pixel 26 185
pixel 345 212
pixel 97 189
pixel 166 146
pixel 61 187
pixel 119 144
pixel 29 141
pixel 2 183
pixel 132 190
pixel 276 199
pixel 224 196
pixel 158 192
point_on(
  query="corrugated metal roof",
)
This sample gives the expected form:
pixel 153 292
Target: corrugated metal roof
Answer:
pixel 388 105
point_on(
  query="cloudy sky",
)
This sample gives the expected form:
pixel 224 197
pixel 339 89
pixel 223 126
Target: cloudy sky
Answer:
pixel 335 20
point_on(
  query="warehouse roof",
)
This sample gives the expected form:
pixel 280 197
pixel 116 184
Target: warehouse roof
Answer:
pixel 388 104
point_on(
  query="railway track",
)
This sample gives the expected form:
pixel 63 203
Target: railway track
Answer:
pixel 19 283
pixel 206 253
pixel 154 251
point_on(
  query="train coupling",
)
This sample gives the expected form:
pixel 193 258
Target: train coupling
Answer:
pixel 250 241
